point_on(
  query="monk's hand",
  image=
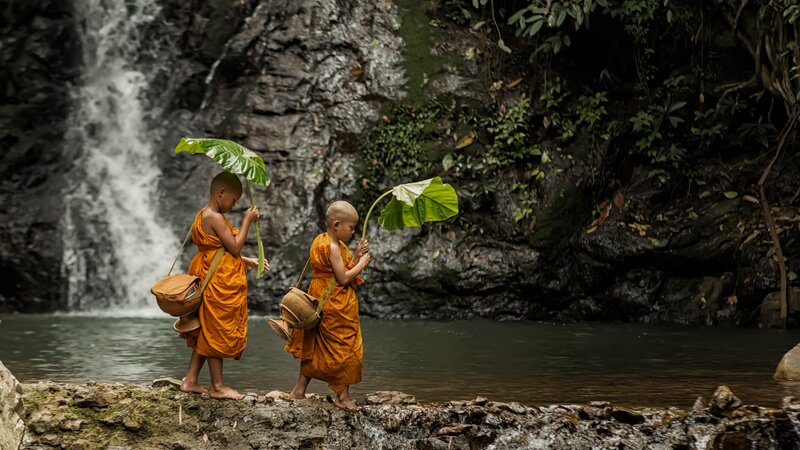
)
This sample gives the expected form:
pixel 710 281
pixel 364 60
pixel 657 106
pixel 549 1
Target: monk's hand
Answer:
pixel 362 249
pixel 252 214
pixel 253 262
pixel 365 259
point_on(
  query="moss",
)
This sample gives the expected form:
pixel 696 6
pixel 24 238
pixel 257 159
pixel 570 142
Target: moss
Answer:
pixel 421 65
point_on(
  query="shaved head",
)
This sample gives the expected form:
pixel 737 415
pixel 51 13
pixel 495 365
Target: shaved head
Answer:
pixel 341 211
pixel 226 180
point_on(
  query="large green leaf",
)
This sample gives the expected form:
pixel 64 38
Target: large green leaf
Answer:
pixel 233 157
pixel 413 204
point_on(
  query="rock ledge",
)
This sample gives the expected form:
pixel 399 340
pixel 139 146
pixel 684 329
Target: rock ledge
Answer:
pixel 102 416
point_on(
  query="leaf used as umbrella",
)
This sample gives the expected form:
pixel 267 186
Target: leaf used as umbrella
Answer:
pixel 234 158
pixel 413 204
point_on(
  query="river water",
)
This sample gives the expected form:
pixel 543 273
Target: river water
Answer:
pixel 528 362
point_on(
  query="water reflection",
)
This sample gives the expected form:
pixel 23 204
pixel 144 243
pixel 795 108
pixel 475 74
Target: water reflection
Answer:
pixel 511 361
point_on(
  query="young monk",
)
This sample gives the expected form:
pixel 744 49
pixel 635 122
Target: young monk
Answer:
pixel 223 313
pixel 332 352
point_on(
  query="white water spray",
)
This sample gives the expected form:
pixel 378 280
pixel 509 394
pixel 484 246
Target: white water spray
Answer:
pixel 115 245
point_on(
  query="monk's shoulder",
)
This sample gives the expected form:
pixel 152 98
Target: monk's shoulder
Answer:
pixel 211 220
pixel 321 247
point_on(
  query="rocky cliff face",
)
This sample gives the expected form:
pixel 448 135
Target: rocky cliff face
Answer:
pixel 39 61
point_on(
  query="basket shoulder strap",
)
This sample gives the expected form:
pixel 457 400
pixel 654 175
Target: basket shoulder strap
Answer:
pixel 213 268
pixel 299 280
pixel 183 244
pixel 328 290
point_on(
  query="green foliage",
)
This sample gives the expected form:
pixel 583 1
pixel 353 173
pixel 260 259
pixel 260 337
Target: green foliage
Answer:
pixel 658 147
pixel 396 149
pixel 511 140
pixel 637 15
pixel 591 109
pixel 556 17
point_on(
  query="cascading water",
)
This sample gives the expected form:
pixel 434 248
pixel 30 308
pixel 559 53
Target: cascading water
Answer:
pixel 114 246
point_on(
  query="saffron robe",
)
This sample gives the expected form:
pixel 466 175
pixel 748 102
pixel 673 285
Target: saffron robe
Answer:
pixel 223 313
pixel 332 351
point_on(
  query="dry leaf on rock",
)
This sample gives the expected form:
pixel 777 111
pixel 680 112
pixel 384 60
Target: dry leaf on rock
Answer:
pixel 750 199
pixel 619 200
pixel 514 83
pixel 640 228
pixel 466 141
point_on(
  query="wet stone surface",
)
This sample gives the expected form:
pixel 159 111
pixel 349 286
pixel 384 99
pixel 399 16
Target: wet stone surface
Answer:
pixel 59 416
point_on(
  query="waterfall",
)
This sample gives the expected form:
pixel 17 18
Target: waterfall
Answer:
pixel 115 245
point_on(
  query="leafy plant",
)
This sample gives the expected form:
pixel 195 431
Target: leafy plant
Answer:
pixel 511 140
pixel 661 152
pixel 413 204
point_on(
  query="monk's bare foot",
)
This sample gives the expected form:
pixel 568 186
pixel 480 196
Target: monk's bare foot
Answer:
pixel 345 404
pixel 225 393
pixel 294 395
pixel 192 388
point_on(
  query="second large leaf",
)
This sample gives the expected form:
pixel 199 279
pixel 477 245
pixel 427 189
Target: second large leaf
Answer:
pixel 413 204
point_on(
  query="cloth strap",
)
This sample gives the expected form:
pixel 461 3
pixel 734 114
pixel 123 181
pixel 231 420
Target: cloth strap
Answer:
pixel 214 262
pixel 318 310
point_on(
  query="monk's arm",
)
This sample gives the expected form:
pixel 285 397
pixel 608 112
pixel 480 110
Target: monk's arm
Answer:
pixel 233 244
pixel 344 276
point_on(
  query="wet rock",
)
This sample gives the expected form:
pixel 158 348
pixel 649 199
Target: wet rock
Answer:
pixel 480 401
pixel 390 397
pixel 71 425
pixel 130 422
pixel 12 410
pixel 770 316
pixel 699 405
pixel 209 424
pixel 723 403
pixel 167 382
pixel 455 430
pixel 790 404
pixel 789 367
pixel 515 408
pixel 91 399
pixel 627 415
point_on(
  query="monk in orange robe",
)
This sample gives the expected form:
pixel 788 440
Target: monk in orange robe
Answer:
pixel 223 313
pixel 333 351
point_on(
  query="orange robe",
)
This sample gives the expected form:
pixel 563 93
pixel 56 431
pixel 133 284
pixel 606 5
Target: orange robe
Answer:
pixel 223 313
pixel 333 351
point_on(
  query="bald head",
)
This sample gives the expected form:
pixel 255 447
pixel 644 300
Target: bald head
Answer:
pixel 228 181
pixel 341 211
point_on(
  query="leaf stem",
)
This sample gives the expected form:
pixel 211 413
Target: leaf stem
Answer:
pixel 366 219
pixel 260 269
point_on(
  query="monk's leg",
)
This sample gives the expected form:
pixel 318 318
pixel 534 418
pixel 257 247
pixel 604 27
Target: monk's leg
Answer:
pixel 190 383
pixel 343 399
pixel 299 390
pixel 218 388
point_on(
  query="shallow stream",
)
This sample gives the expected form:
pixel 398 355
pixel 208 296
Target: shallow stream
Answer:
pixel 529 362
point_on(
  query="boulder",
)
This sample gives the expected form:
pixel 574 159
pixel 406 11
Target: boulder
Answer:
pixel 12 411
pixel 724 403
pixel 789 367
pixel 771 308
